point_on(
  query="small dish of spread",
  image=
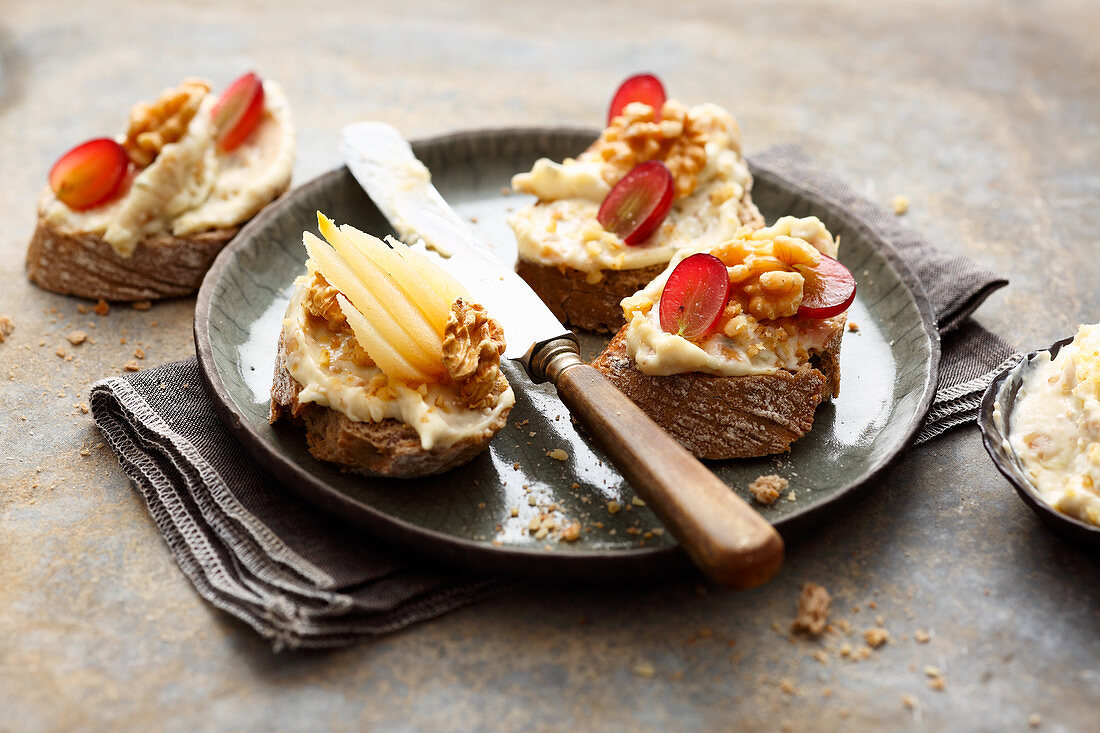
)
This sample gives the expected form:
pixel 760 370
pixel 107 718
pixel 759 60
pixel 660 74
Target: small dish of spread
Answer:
pixel 1040 422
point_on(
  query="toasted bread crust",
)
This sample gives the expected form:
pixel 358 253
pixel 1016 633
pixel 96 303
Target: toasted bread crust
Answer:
pixel 387 448
pixel 727 417
pixel 577 302
pixel 83 264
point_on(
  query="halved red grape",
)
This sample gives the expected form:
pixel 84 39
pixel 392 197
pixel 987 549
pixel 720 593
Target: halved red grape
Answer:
pixel 638 203
pixel 695 296
pixel 90 173
pixel 238 111
pixel 829 289
pixel 645 88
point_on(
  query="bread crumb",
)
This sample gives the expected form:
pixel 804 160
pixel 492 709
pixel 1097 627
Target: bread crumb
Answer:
pixel 876 637
pixel 909 701
pixel 821 656
pixel 558 454
pixel 637 501
pixel 613 507
pixel 60 351
pixel 1035 720
pixel 937 684
pixel 572 532
pixel 921 636
pixel 141 305
pixel 932 671
pixel 7 327
pixel 900 204
pixel 131 366
pixel 139 353
pixel 813 610
pixel 766 489
pixel 514 511
pixel 83 309
pixel 790 496
pixel 787 686
pixel 76 338
pixel 101 308
pixel 853 326
pixel 644 669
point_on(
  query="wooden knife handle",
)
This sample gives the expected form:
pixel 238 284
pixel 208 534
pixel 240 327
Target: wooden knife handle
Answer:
pixel 725 537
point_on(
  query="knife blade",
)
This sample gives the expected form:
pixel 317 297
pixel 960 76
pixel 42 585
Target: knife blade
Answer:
pixel 383 163
pixel 725 537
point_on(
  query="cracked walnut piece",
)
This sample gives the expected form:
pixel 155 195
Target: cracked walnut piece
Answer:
pixel 152 126
pixel 472 345
pixel 637 136
pixel 813 610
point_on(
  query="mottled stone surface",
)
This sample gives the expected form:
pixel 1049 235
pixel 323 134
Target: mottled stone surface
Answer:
pixel 984 114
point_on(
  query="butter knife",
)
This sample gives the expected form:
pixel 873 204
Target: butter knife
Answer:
pixel 725 537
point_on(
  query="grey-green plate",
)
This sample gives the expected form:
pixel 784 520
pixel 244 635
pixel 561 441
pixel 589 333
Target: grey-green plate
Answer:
pixel 478 516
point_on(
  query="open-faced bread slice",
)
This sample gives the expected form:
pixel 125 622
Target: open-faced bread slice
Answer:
pixel 179 198
pixel 582 270
pixel 749 384
pixel 385 360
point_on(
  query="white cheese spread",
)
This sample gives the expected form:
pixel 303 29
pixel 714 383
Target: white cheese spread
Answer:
pixel 191 186
pixel 738 346
pixel 561 227
pixel 331 378
pixel 1055 426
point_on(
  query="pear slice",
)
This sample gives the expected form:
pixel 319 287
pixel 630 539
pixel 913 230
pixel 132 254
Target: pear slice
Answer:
pixel 382 286
pixel 418 290
pixel 344 279
pixel 440 279
pixel 392 364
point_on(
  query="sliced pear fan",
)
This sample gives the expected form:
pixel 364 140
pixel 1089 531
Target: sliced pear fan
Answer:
pixel 389 330
pixel 396 302
pixel 417 290
pixel 392 364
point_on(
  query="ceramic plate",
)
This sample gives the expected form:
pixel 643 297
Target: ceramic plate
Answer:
pixel 478 516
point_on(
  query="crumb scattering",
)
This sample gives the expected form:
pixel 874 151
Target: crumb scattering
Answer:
pixel 900 204
pixel 76 338
pixel 766 489
pixel 131 366
pixel 613 507
pixel 813 610
pixel 921 636
pixel 139 353
pixel 7 327
pixel 1035 720
pixel 102 308
pixel 141 305
pixel 853 326
pixel 558 454
pixel 909 701
pixel 876 637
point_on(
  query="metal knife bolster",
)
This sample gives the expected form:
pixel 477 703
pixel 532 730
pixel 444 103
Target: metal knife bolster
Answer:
pixel 385 166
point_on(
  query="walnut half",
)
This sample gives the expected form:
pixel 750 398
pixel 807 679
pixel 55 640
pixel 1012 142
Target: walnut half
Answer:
pixel 472 345
pixel 152 126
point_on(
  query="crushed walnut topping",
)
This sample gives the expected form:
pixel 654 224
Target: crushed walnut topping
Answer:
pixel 152 126
pixel 321 303
pixel 678 139
pixel 472 345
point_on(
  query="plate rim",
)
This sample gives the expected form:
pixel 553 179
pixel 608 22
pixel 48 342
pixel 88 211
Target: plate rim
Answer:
pixel 476 553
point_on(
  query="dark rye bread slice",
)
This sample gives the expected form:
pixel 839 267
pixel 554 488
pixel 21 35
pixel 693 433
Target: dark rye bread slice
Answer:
pixel 729 417
pixel 387 448
pixel 595 306
pixel 576 302
pixel 83 264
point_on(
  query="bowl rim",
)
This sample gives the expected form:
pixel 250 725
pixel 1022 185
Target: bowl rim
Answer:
pixel 1005 458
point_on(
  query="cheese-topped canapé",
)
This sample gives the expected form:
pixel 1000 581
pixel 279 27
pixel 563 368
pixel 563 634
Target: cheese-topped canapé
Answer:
pixel 700 145
pixel 760 331
pixel 192 186
pixel 1055 426
pixel 335 372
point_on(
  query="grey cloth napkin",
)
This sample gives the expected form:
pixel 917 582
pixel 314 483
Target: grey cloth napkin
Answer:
pixel 301 579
